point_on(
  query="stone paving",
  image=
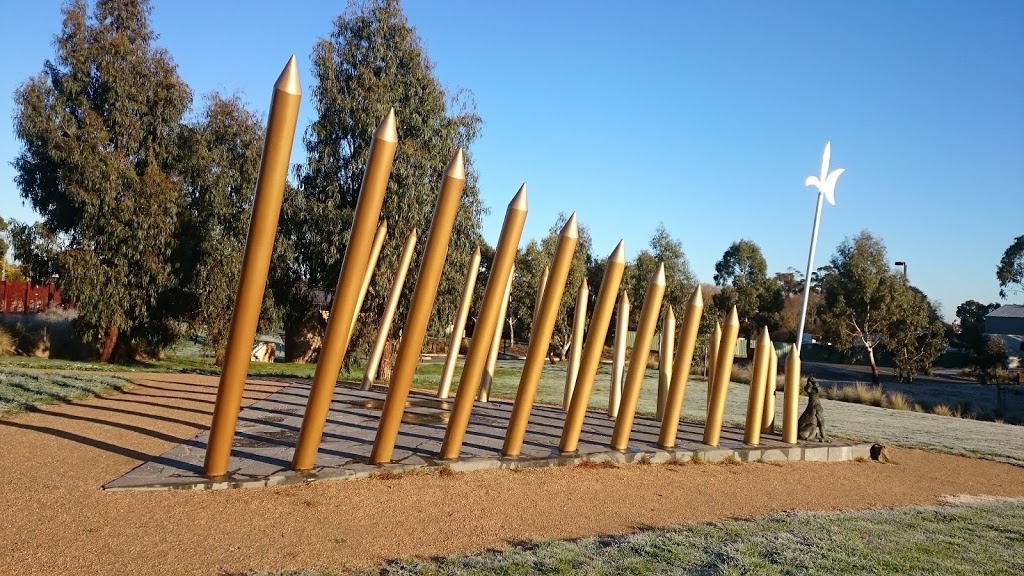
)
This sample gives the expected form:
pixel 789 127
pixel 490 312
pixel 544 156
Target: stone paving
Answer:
pixel 267 432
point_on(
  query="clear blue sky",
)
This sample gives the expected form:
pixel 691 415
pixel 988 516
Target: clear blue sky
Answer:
pixel 707 116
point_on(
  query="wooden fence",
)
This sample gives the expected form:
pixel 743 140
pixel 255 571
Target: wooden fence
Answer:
pixel 22 297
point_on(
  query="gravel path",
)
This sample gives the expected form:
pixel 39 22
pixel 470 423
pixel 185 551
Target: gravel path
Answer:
pixel 55 519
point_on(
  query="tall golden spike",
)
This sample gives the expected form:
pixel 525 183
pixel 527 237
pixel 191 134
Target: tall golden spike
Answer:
pixel 504 258
pixel 638 361
pixel 681 370
pixel 593 349
pixel 768 418
pixel 619 356
pixel 455 342
pixel 716 339
pixel 492 357
pixel 373 363
pixel 758 380
pixel 575 348
pixel 791 397
pixel 666 351
pixel 259 247
pixel 338 334
pixel 540 338
pixel 723 372
pixel 371 265
pixel 415 328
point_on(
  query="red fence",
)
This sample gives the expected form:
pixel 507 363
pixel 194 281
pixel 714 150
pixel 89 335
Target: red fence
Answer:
pixel 21 297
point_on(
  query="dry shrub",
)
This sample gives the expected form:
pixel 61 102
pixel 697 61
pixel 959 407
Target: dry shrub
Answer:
pixel 7 342
pixel 740 373
pixel 731 460
pixel 898 401
pixel 859 393
pixel 445 471
pixel 942 410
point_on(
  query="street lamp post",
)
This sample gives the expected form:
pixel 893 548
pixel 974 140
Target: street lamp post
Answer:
pixel 904 264
pixel 826 185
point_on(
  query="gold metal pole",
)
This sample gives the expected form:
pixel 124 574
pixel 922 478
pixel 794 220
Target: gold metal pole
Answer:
pixel 758 381
pixel 791 397
pixel 541 284
pixel 768 418
pixel 638 361
pixel 716 339
pixel 666 351
pixel 492 357
pixel 501 268
pixel 681 370
pixel 455 342
pixel 338 334
pixel 575 348
pixel 371 265
pixel 594 348
pixel 619 356
pixel 723 372
pixel 389 312
pixel 259 246
pixel 540 338
pixel 409 348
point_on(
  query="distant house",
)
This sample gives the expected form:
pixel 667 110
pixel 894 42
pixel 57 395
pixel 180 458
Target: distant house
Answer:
pixel 1007 323
pixel 1007 319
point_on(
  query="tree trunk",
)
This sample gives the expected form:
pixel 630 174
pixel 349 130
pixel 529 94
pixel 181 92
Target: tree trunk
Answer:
pixel 302 340
pixel 219 355
pixel 387 361
pixel 109 343
pixel 874 367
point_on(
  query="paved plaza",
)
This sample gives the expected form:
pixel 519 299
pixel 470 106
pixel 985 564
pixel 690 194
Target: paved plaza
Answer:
pixel 268 429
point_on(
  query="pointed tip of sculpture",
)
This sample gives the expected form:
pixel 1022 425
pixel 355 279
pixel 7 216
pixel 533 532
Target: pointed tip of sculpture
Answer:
pixel 476 253
pixel 288 81
pixel 457 166
pixel 659 276
pixel 619 254
pixel 571 229
pixel 765 337
pixel 794 357
pixel 734 318
pixel 519 201
pixel 388 128
pixel 670 314
pixel 697 298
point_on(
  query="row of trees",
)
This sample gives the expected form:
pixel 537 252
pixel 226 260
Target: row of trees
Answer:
pixel 145 204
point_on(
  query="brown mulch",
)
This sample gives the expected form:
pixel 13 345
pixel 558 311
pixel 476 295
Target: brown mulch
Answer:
pixel 55 518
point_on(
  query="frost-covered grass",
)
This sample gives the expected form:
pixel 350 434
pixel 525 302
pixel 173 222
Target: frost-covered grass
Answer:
pixel 21 390
pixel 971 539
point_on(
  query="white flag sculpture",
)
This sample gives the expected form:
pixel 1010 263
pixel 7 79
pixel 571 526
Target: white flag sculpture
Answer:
pixel 826 185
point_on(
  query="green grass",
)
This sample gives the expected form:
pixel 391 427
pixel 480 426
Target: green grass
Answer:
pixel 21 391
pixel 971 539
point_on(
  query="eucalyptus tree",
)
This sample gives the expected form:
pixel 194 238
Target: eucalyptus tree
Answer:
pixel 373 60
pixel 97 129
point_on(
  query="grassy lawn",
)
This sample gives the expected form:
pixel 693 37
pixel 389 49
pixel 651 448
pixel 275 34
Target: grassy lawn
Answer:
pixel 970 539
pixel 21 391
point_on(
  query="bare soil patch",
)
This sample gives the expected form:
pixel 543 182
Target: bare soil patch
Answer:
pixel 55 519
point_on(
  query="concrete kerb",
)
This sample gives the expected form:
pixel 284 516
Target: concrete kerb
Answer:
pixel 840 452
